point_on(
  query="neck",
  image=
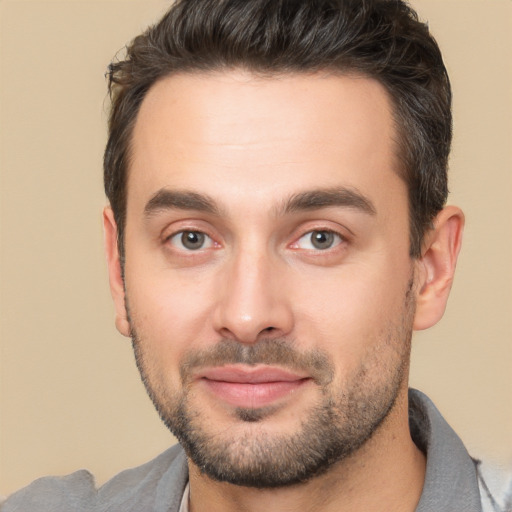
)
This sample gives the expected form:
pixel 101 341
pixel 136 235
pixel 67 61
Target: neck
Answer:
pixel 387 473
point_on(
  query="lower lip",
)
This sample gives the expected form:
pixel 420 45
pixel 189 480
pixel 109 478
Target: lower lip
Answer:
pixel 255 395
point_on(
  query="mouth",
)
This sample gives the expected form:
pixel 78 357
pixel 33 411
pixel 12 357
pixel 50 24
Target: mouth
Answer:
pixel 251 387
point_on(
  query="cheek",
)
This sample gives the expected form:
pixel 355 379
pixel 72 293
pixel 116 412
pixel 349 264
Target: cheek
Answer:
pixel 351 310
pixel 169 313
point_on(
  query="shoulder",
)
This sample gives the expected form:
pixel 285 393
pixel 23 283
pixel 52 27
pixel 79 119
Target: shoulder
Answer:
pixel 140 488
pixel 75 492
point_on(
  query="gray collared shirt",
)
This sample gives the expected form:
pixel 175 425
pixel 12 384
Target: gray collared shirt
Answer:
pixel 451 481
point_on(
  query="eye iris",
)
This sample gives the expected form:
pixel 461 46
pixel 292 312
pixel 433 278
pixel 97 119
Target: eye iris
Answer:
pixel 322 239
pixel 192 240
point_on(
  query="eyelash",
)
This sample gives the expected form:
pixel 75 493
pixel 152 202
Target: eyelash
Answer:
pixel 336 240
pixel 182 232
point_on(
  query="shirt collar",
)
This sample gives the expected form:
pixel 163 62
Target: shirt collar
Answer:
pixel 451 483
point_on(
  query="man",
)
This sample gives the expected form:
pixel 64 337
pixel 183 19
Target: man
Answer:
pixel 277 228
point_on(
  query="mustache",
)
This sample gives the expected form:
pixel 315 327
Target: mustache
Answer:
pixel 272 352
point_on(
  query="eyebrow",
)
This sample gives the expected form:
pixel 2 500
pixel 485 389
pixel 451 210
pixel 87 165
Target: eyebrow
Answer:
pixel 325 198
pixel 166 199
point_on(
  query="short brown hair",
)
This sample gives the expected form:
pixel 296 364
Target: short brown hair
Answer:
pixel 381 39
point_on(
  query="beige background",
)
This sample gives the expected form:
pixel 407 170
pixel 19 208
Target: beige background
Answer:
pixel 70 395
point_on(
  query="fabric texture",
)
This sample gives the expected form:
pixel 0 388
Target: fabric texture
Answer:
pixel 451 481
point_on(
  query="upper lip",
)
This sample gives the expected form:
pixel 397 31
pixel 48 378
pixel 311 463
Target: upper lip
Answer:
pixel 249 374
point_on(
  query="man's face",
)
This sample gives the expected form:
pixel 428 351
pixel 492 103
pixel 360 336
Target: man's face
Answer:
pixel 268 279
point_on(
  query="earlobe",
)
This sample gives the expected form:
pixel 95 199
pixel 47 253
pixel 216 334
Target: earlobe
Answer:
pixel 436 267
pixel 114 271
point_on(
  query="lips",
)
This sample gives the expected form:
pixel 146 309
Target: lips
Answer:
pixel 251 387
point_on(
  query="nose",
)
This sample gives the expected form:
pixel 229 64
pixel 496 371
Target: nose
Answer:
pixel 253 302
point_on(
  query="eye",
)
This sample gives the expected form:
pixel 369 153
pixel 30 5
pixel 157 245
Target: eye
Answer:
pixel 319 240
pixel 191 240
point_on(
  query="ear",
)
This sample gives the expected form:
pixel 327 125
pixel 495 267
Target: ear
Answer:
pixel 436 267
pixel 114 271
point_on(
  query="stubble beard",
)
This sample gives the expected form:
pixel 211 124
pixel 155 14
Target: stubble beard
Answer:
pixel 334 428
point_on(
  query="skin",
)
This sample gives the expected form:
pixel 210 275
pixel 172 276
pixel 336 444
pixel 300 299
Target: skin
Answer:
pixel 250 144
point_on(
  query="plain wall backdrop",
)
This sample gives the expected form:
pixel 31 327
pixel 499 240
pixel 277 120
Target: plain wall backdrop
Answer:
pixel 70 395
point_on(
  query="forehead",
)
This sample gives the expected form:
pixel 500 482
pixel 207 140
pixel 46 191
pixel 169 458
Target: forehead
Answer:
pixel 233 134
